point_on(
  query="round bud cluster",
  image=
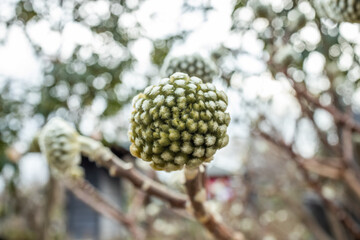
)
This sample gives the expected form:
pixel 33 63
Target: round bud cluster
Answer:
pixel 181 121
pixel 59 142
pixel 338 10
pixel 193 65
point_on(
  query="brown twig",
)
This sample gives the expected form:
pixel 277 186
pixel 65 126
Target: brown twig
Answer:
pixel 350 175
pixel 323 138
pixel 136 203
pixel 321 169
pixel 340 213
pixel 54 198
pixel 139 199
pixel 342 119
pixel 197 194
pixel 195 186
pixel 312 165
pixel 118 168
pixel 339 117
pixel 347 147
pixel 89 195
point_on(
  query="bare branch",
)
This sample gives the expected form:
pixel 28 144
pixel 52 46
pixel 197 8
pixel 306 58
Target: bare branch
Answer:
pixel 347 147
pixel 89 195
pixel 350 175
pixel 312 165
pixel 352 181
pixel 136 203
pixel 321 169
pixel 197 194
pixel 118 168
pixel 339 117
pixel 310 114
pixel 340 213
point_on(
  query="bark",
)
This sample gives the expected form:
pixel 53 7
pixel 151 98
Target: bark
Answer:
pixel 195 188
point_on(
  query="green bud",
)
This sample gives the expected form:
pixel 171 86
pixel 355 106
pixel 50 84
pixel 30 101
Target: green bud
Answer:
pixel 59 142
pixel 338 10
pixel 180 121
pixel 193 65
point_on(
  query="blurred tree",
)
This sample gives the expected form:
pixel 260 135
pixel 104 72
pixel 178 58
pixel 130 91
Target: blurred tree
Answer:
pixel 314 61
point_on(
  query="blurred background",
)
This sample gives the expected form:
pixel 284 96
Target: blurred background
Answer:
pixel 85 60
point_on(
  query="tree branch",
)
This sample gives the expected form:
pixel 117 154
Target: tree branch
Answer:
pixel 339 117
pixel 95 151
pixel 197 194
pixel 339 212
pixel 310 114
pixel 89 195
pixel 321 169
pixel 312 165
pixel 350 176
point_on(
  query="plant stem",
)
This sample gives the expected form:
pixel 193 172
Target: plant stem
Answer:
pixel 195 188
pixel 95 151
pixel 89 195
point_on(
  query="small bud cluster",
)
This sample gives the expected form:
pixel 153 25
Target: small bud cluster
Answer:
pixel 181 121
pixel 193 65
pixel 59 142
pixel 338 10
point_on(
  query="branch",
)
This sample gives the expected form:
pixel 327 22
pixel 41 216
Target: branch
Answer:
pixel 347 147
pixel 312 165
pixel 197 194
pixel 136 203
pixel 310 114
pixel 352 181
pixel 54 200
pixel 324 170
pixel 350 176
pixel 339 212
pixel 339 117
pixel 89 195
pixel 95 151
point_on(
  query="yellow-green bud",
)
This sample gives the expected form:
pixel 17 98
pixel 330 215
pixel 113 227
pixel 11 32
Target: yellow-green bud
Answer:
pixel 193 65
pixel 181 121
pixel 59 142
pixel 338 10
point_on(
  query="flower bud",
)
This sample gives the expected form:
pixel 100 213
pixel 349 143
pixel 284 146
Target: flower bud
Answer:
pixel 181 121
pixel 338 10
pixel 193 65
pixel 59 142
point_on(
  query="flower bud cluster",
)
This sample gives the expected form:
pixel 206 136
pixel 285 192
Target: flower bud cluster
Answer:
pixel 193 65
pixel 338 10
pixel 181 121
pixel 59 142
